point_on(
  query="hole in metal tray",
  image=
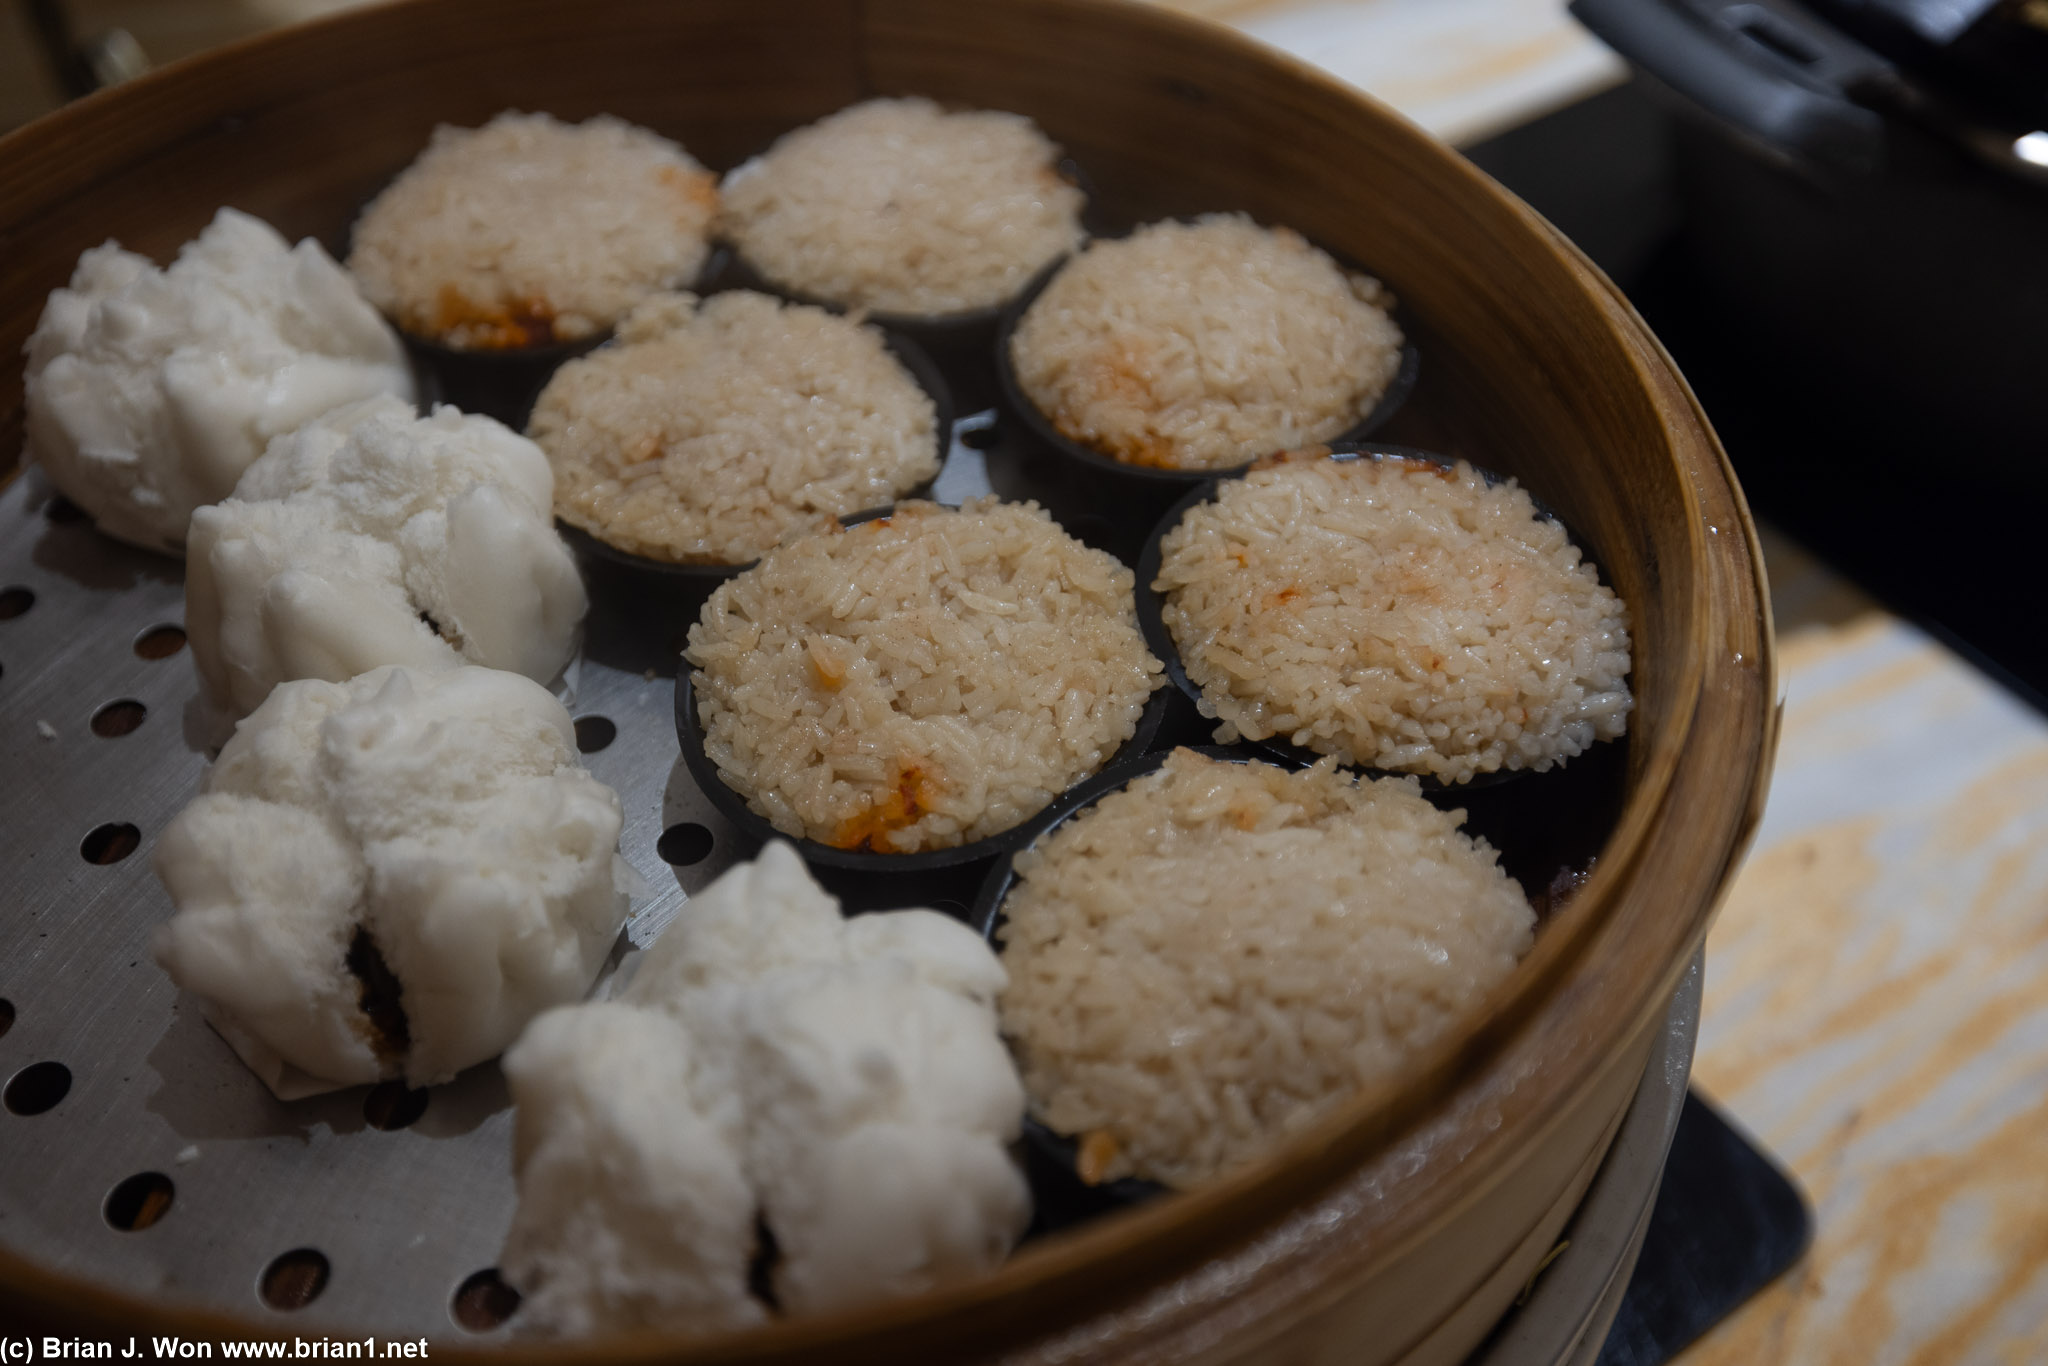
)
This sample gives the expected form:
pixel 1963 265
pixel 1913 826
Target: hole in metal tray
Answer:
pixel 110 843
pixel 594 733
pixel 684 844
pixel 484 1301
pixel 294 1280
pixel 160 642
pixel 118 718
pixel 37 1088
pixel 138 1202
pixel 393 1105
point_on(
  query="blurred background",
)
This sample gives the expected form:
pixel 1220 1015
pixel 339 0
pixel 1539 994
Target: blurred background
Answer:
pixel 1462 68
pixel 49 47
pixel 1835 215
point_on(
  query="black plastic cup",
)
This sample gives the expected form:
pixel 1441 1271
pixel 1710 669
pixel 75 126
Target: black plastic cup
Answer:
pixel 641 607
pixel 1152 621
pixel 498 384
pixel 641 610
pixel 944 879
pixel 1135 495
pixel 1548 836
pixel 504 383
pixel 956 342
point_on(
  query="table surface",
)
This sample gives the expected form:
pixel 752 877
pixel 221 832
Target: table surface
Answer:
pixel 1876 1003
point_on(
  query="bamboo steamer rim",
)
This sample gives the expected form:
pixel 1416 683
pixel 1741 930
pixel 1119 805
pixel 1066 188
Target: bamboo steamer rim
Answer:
pixel 1730 681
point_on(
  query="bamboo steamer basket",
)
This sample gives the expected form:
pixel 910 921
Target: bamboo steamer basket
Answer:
pixel 1401 1228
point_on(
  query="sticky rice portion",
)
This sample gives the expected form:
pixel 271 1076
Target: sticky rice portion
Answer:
pixel 898 206
pixel 1204 345
pixel 529 231
pixel 1395 614
pixel 1219 954
pixel 714 429
pixel 920 681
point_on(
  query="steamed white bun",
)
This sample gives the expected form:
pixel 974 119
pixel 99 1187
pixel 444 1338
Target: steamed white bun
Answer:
pixel 848 1074
pixel 372 537
pixel 438 823
pixel 150 391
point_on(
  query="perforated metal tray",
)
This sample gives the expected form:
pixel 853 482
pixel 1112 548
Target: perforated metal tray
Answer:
pixel 110 1073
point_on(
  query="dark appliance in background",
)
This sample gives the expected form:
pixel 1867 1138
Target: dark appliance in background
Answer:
pixel 1835 215
pixel 1873 214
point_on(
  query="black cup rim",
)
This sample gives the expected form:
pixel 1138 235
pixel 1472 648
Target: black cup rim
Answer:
pixel 658 573
pixel 553 354
pixel 520 372
pixel 986 916
pixel 716 261
pixel 1041 427
pixel 1152 621
pixel 716 257
pixel 743 274
pixel 669 575
pixel 731 805
pixel 1064 1151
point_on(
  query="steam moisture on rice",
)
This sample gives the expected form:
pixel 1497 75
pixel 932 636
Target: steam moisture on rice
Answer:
pixel 920 681
pixel 899 206
pixel 715 429
pixel 1220 953
pixel 530 231
pixel 1204 345
pixel 1396 614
